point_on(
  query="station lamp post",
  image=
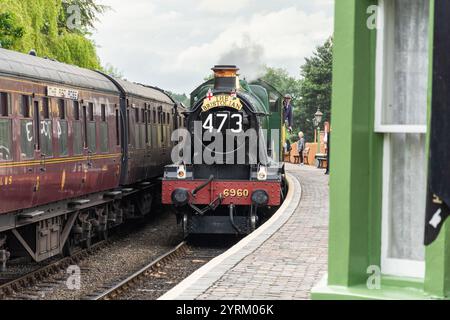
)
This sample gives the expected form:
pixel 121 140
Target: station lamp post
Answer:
pixel 317 120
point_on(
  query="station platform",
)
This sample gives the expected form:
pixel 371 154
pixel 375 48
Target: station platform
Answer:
pixel 281 260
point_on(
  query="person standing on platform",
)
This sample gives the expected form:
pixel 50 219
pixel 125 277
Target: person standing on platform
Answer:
pixel 301 146
pixel 288 112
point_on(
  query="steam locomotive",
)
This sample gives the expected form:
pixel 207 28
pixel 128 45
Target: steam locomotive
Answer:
pixel 227 169
pixel 80 152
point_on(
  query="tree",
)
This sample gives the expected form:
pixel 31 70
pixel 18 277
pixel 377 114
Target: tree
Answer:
pixel 316 88
pixel 283 82
pixel 37 24
pixel 109 69
pixel 87 11
pixel 10 33
pixel 183 98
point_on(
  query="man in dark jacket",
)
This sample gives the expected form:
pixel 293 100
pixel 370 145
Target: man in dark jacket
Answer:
pixel 288 117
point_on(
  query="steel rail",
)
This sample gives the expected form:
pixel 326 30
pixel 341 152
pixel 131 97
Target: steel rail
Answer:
pixel 132 280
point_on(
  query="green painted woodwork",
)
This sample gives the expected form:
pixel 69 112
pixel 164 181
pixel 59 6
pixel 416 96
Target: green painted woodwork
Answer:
pixel 355 175
pixel 355 189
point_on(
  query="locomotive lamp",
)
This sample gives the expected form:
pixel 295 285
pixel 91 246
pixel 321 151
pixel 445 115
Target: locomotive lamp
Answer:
pixel 262 173
pixel 181 172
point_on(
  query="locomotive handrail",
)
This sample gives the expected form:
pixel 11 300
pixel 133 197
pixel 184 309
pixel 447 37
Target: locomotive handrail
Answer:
pixel 203 185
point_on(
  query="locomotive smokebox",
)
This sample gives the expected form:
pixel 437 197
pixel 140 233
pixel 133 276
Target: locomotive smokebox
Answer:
pixel 226 77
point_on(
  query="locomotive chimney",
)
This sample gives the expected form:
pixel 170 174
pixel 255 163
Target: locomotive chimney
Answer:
pixel 226 77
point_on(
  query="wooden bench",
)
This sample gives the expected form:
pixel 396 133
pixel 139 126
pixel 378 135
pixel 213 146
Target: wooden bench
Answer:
pixel 321 160
pixel 287 156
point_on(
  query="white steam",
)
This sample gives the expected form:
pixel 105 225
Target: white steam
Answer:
pixel 247 56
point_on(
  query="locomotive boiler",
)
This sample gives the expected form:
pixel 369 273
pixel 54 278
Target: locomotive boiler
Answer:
pixel 227 169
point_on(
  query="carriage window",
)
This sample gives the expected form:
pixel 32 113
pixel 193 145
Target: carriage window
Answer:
pixel 45 108
pixel 103 107
pixel 62 138
pixel 26 139
pixel 5 105
pixel 76 110
pixel 91 137
pixel 104 141
pixel 25 106
pixel 136 115
pixel 5 140
pixel 91 112
pixel 46 138
pixel 77 139
pixel 129 128
pixel 62 109
pixel 143 115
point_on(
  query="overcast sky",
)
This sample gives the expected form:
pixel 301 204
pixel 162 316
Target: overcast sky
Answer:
pixel 174 43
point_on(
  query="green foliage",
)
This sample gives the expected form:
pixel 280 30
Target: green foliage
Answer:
pixel 88 11
pixel 10 33
pixel 316 89
pixel 283 82
pixel 183 98
pixel 112 71
pixel 38 24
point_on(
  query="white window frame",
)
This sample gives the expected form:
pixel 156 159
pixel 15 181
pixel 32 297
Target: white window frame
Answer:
pixel 383 32
pixel 390 266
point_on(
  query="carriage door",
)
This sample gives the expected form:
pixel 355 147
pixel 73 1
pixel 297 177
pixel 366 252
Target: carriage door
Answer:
pixel 162 142
pixel 148 150
pixel 44 154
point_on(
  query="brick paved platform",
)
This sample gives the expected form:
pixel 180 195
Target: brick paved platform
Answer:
pixel 283 259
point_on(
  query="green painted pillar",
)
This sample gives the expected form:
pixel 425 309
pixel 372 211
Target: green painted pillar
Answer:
pixel 355 188
pixel 437 278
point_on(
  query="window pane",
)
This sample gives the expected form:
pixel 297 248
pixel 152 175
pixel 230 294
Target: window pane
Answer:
pixel 92 143
pixel 406 66
pixel 46 138
pixel 5 105
pixel 76 110
pixel 407 196
pixel 104 142
pixel 25 106
pixel 26 139
pixel 62 109
pixel 142 135
pixel 62 138
pixel 77 139
pixel 5 140
pixel 137 137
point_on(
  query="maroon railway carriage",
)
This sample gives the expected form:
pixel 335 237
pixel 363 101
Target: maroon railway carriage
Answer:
pixel 79 153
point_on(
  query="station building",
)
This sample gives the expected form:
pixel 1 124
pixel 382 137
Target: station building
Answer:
pixel 391 88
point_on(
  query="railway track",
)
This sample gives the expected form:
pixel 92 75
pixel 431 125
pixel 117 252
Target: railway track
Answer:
pixel 41 273
pixel 162 274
